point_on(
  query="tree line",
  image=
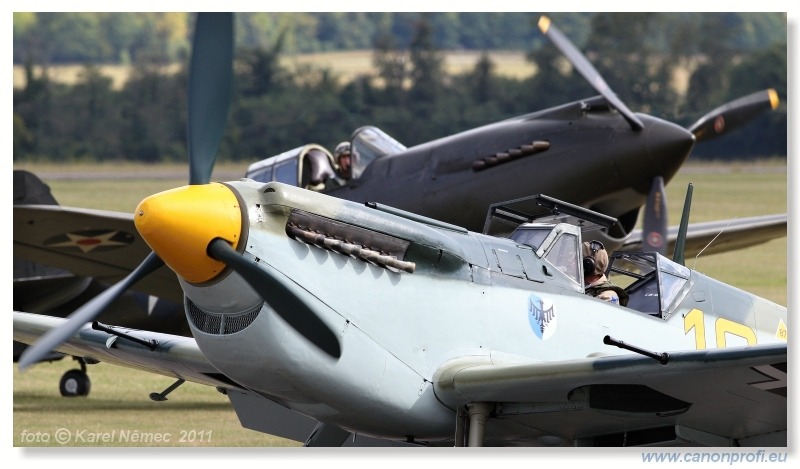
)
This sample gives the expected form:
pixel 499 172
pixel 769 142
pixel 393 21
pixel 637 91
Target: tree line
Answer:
pixel 113 37
pixel 409 95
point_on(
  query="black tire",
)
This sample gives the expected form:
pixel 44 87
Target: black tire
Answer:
pixel 75 383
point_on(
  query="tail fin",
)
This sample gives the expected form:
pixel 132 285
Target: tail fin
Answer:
pixel 30 190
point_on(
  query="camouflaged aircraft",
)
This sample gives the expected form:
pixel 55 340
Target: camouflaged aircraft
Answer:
pixel 336 323
pixel 43 289
pixel 339 323
pixel 595 153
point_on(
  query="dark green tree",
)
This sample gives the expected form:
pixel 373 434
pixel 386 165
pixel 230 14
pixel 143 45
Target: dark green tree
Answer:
pixel 33 111
pixel 23 138
pixel 710 80
pixel 555 81
pixel 426 65
pixel 94 112
pixel 482 79
pixel 154 111
pixel 623 49
pixel 260 70
pixel 73 37
pixel 392 68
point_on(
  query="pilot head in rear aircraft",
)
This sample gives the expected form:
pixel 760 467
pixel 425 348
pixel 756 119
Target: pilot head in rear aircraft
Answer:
pixel 595 262
pixel 343 160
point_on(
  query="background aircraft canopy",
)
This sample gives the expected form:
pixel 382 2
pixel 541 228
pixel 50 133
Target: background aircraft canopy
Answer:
pixel 369 143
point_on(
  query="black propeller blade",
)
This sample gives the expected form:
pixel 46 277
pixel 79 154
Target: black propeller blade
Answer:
pixel 654 232
pixel 210 79
pixel 582 64
pixel 280 297
pixel 86 313
pixel 715 123
pixel 733 114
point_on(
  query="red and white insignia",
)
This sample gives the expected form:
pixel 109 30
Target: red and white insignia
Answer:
pixel 91 240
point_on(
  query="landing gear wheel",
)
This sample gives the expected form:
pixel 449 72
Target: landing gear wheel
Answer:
pixel 75 383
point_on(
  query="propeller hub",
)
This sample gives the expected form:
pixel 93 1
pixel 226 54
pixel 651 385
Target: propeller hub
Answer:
pixel 179 224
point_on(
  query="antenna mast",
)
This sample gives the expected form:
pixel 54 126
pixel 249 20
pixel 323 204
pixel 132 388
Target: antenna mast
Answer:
pixel 680 242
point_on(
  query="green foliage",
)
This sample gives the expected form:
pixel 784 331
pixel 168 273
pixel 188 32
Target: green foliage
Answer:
pixel 426 64
pixel 23 138
pixel 115 37
pixel 408 95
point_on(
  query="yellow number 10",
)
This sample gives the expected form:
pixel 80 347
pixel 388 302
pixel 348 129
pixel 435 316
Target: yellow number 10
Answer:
pixel 694 320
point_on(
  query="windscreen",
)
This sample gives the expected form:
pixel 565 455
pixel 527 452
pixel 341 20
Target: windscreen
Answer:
pixel 368 144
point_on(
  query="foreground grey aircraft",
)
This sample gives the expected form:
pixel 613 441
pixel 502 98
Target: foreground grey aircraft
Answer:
pixel 338 323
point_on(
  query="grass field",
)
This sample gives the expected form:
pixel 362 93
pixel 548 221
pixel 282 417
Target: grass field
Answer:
pixel 119 406
pixel 119 398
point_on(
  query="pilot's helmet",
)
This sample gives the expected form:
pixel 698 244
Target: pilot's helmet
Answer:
pixel 341 149
pixel 595 258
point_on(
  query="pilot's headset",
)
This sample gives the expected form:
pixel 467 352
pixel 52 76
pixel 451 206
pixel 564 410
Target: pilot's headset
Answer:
pixel 589 261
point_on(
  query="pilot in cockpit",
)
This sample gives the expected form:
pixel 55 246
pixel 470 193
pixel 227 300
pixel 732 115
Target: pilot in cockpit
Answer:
pixel 343 160
pixel 595 262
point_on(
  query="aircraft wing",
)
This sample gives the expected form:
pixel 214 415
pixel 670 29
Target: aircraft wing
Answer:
pixel 176 357
pixel 89 243
pixel 730 235
pixel 710 397
pixel 173 356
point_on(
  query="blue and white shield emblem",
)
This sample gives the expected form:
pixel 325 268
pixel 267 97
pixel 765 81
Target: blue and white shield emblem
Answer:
pixel 542 316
